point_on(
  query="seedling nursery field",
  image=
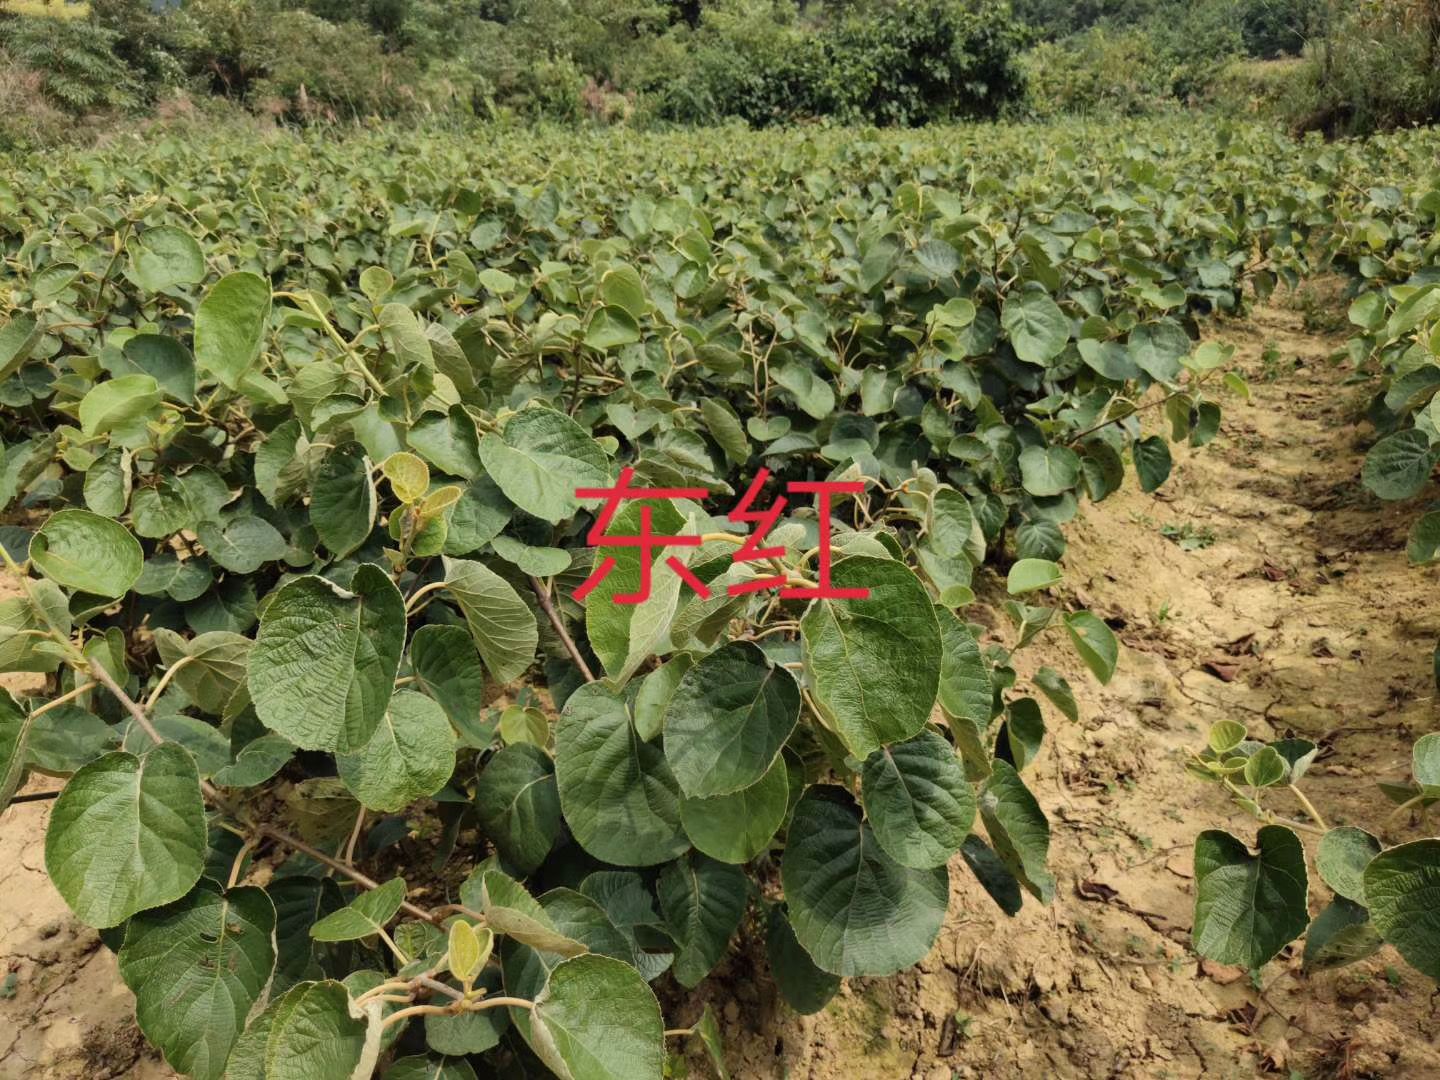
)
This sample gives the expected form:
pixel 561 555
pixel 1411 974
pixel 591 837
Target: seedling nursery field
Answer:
pixel 820 603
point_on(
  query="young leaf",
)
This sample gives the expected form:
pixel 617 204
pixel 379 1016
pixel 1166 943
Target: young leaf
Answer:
pixel 728 719
pixel 1248 907
pixel 126 834
pixel 468 950
pixel 88 553
pixel 853 909
pixel 323 666
pixel 197 967
pixel 875 663
pixel 1028 575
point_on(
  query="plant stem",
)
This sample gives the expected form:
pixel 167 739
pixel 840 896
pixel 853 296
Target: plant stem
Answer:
pixel 35 796
pixel 63 699
pixel 1309 807
pixel 542 594
pixel 675 1033
pixel 458 1007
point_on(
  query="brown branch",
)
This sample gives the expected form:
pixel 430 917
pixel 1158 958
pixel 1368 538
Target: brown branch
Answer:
pixel 543 595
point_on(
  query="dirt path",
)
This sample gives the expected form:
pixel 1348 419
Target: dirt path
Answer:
pixel 1280 598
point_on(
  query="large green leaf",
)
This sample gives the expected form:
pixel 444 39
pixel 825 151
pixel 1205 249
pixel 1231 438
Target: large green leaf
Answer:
pixel 84 551
pixel 703 902
pixel 447 667
pixel 1095 642
pixel 610 626
pixel 503 627
pixel 616 792
pixel 1341 934
pixel 343 502
pixel 540 459
pixel 1402 890
pixel 120 405
pixel 597 1020
pixel 1249 907
pixel 197 967
pixel 728 719
pixel 875 662
pixel 1018 829
pixel 1342 857
pixel 14 736
pixel 324 663
pixel 230 326
pixel 1037 328
pixel 313 1034
pixel 410 756
pixel 737 827
pixel 854 909
pixel 1399 465
pixel 208 667
pixel 127 833
pixel 917 800
pixel 518 805
pixel 165 256
pixel 806 988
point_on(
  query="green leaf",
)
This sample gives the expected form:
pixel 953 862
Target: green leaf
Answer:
pixel 314 1034
pixel 616 792
pixel 410 756
pixel 1402 890
pixel 1425 760
pixel 257 761
pixel 14 734
pixel 1027 575
pixel 540 459
pixel 1095 642
pixel 1341 934
pixel 806 988
pixel 707 1030
pixel 621 286
pixel 518 805
pixel 367 914
pixel 610 328
pixel 1038 330
pixel 324 663
pixel 122 405
pixel 1018 830
pixel 127 833
pixel 597 1020
pixel 611 626
pixel 64 739
pixel 467 953
pixel 1249 907
pixel 1399 465
pixel 724 427
pixel 242 544
pixel 703 902
pixel 211 667
pixel 728 719
pixel 88 553
pixel 343 502
pixel 875 662
pixel 447 667
pixel 1055 687
pixel 164 257
pixel 165 360
pixel 502 626
pixel 197 967
pixel 917 801
pixel 853 909
pixel 230 326
pixel 448 441
pixel 1152 462
pixel 1342 857
pixel 1049 470
pixel 18 339
pixel 511 910
pixel 737 827
pixel 1424 543
pixel 1226 735
pixel 1265 767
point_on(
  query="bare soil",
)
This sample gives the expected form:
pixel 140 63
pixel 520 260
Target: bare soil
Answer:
pixel 1280 598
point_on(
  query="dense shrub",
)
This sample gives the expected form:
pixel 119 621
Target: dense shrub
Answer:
pixel 319 68
pixel 1100 71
